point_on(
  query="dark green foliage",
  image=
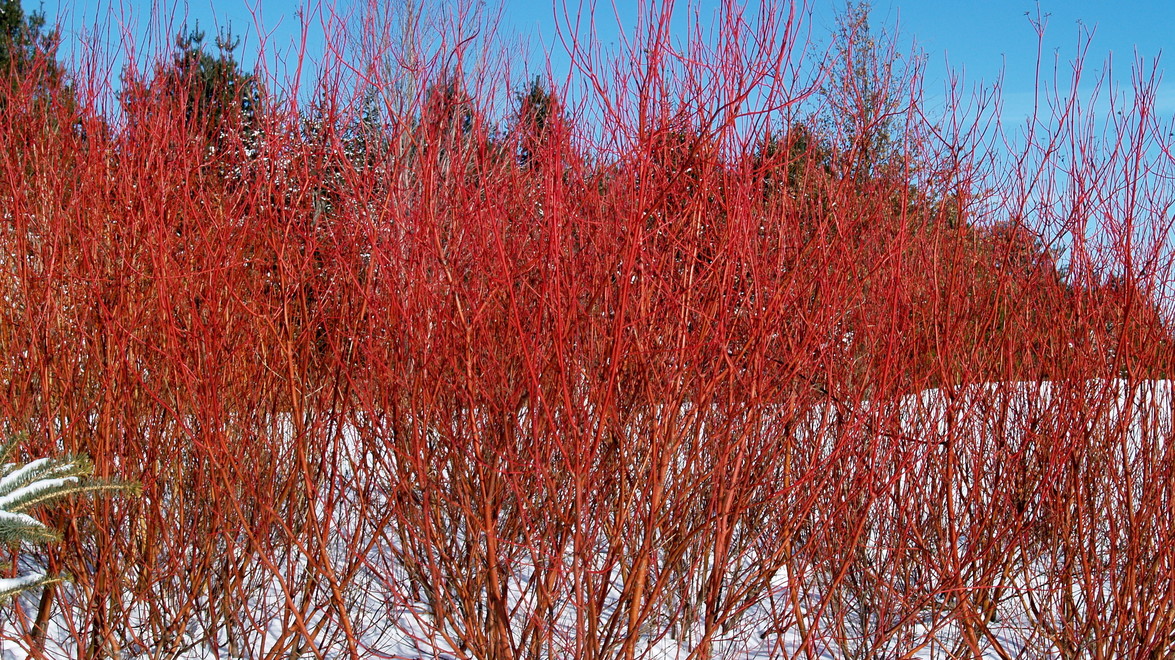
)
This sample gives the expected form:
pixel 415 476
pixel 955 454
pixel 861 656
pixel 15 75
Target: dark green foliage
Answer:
pixel 790 162
pixel 535 111
pixel 220 101
pixel 27 54
pixel 21 38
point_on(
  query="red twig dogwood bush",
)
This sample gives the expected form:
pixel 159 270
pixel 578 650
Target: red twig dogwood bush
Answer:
pixel 727 347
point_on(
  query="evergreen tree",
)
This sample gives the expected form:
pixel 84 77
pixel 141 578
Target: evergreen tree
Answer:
pixel 219 100
pixel 28 61
pixel 23 38
pixel 537 109
pixel 33 484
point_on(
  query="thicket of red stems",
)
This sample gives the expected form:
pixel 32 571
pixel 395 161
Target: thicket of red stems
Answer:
pixel 663 378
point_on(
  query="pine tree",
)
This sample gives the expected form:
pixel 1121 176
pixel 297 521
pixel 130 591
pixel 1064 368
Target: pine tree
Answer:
pixel 31 79
pixel 220 102
pixel 36 483
pixel 537 107
pixel 25 41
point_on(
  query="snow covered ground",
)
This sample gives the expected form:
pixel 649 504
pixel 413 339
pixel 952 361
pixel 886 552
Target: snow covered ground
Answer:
pixel 811 609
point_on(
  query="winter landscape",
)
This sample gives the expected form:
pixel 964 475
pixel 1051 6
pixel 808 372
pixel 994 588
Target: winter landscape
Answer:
pixel 724 343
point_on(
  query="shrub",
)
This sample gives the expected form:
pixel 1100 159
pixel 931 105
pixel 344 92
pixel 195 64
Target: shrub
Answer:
pixel 659 359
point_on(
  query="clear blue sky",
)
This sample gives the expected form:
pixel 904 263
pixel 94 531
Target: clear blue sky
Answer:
pixel 980 38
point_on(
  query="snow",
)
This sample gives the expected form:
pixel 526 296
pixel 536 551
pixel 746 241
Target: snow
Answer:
pixel 393 623
pixel 9 584
pixel 13 477
pixel 33 489
pixel 20 518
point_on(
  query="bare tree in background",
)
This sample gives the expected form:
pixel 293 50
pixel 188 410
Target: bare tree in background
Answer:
pixel 390 47
pixel 862 95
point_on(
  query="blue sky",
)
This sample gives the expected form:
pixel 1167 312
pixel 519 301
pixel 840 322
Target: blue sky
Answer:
pixel 980 39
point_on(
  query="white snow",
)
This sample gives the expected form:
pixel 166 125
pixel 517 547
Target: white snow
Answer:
pixel 20 518
pixel 34 488
pixel 15 476
pixel 391 622
pixel 8 584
